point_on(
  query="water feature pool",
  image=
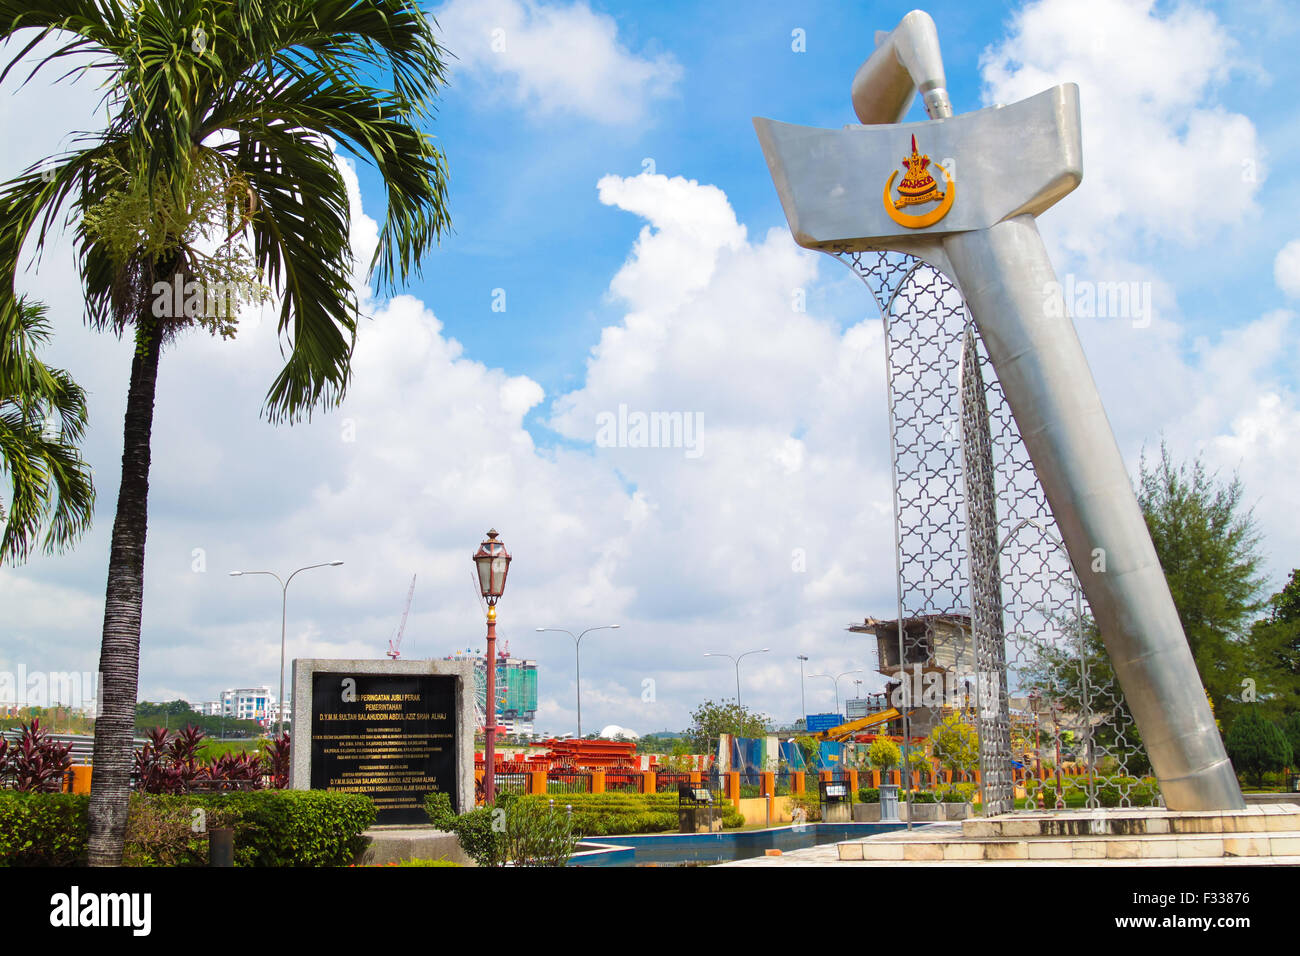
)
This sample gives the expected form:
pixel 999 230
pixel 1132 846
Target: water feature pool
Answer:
pixel 668 849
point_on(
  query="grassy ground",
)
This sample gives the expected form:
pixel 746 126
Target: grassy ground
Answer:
pixel 211 749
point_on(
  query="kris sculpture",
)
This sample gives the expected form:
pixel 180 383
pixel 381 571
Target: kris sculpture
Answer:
pixel 970 189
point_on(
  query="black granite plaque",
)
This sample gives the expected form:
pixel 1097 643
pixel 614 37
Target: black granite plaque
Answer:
pixel 389 736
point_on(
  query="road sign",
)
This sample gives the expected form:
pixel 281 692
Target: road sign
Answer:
pixel 818 722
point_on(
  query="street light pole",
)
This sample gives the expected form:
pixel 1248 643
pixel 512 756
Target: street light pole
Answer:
pixel 577 660
pixel 803 700
pixel 736 661
pixel 284 616
pixel 836 680
pixel 492 562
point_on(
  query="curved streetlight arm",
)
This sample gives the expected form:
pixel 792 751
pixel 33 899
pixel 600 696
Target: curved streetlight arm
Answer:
pixel 577 660
pixel 736 661
pixel 284 616
pixel 240 574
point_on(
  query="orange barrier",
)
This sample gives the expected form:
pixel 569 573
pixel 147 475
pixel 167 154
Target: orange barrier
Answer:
pixel 80 779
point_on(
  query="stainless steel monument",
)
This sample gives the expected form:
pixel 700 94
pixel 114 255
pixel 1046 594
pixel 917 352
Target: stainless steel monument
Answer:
pixel 972 218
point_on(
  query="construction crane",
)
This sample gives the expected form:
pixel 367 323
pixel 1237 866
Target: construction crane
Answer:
pixel 846 730
pixel 395 645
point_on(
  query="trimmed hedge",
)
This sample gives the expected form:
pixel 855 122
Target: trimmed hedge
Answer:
pixel 605 814
pixel 42 829
pixel 272 828
pixel 1110 791
pixel 298 827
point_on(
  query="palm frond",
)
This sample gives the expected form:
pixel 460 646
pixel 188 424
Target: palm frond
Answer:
pixel 49 482
pixel 273 81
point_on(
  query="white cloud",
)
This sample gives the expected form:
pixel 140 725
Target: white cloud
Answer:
pixel 687 554
pixel 1164 165
pixel 1161 159
pixel 1286 269
pixel 793 458
pixel 554 58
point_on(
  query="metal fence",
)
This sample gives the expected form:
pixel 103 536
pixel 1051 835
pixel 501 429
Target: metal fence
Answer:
pixel 712 780
pixel 670 782
pixel 784 782
pixel 516 783
pixel 81 747
pixel 10 782
pixel 752 784
pixel 623 781
pixel 568 781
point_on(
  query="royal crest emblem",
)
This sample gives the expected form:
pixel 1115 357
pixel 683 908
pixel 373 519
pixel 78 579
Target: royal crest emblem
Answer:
pixel 918 187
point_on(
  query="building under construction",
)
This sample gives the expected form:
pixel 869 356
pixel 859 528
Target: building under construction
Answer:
pixel 516 689
pixel 933 670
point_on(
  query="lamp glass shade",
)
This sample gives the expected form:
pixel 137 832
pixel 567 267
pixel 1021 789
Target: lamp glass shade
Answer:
pixel 493 563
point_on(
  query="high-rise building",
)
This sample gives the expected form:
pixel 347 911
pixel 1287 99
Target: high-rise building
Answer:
pixel 516 690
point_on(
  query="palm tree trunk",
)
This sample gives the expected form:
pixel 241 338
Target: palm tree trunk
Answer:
pixel 119 654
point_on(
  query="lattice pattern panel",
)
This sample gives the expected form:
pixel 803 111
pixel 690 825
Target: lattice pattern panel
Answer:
pixel 986 593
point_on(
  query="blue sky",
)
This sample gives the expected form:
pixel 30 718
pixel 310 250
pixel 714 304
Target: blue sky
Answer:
pixel 524 202
pixel 667 287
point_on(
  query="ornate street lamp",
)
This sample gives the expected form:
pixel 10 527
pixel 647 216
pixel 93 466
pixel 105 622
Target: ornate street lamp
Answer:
pixel 493 563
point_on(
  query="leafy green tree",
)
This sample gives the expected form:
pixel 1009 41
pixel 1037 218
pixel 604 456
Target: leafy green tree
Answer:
pixel 48 481
pixel 955 744
pixel 1285 604
pixel 663 743
pixel 884 754
pixel 178 713
pixel 1208 545
pixel 173 708
pixel 1256 746
pixel 1290 728
pixel 215 178
pixel 1084 681
pixel 1273 671
pixel 710 720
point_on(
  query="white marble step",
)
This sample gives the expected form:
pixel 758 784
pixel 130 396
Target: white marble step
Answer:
pixel 1134 822
pixel 1167 846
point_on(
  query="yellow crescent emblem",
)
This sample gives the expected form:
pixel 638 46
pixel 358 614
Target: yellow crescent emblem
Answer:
pixel 926 219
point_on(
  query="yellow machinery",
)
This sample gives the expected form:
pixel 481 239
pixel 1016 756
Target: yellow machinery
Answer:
pixel 857 726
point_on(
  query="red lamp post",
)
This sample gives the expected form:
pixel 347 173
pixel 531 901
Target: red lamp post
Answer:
pixel 493 562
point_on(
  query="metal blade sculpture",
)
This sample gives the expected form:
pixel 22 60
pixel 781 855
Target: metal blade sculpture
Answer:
pixel 1015 162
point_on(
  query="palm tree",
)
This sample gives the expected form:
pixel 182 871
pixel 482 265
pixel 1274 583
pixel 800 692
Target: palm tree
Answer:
pixel 49 481
pixel 215 184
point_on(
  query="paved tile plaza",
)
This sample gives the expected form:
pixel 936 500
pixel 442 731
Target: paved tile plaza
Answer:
pixel 1258 836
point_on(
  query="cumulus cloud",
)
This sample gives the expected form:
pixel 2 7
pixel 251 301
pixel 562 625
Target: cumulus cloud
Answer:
pixel 1163 163
pixel 777 534
pixel 793 461
pixel 554 58
pixel 1161 159
pixel 1286 269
